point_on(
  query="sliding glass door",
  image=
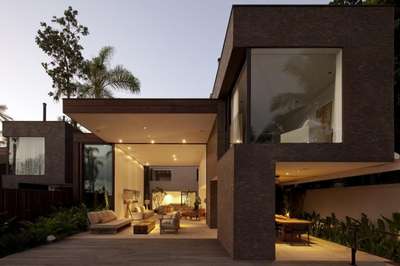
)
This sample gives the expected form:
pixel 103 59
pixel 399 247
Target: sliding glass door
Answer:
pixel 98 176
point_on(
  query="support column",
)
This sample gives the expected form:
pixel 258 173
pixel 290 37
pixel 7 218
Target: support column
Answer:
pixel 254 205
pixel 246 204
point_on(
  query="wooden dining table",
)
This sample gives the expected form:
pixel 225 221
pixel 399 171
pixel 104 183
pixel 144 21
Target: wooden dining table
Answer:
pixel 292 226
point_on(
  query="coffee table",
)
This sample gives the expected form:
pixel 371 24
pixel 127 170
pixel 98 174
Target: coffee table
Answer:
pixel 144 227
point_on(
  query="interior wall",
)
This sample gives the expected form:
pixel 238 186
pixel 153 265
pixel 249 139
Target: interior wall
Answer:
pixel 184 178
pixel 373 200
pixel 129 174
pixel 203 181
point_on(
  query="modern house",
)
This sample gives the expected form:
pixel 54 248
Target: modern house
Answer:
pixel 302 94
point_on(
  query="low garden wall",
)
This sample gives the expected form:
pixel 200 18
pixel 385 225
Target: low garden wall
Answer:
pixel 27 204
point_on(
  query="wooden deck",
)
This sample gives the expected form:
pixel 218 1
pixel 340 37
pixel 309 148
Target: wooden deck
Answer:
pixel 196 244
pixel 117 251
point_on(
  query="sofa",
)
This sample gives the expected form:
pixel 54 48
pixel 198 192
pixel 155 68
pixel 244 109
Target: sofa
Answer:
pixel 140 213
pixel 106 222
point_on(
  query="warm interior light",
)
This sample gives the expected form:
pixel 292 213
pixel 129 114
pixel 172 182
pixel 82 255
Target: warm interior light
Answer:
pixel 152 141
pixel 238 141
pixel 175 159
pixel 144 128
pixel 147 164
pixel 168 199
pixel 286 173
pixel 183 140
pixel 120 140
pixel 129 148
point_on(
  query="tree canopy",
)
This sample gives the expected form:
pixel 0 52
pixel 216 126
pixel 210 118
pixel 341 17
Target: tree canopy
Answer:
pixel 101 79
pixel 61 42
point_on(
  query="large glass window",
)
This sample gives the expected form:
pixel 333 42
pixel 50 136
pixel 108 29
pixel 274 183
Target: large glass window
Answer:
pixel 26 156
pixel 98 175
pixel 296 95
pixel 236 119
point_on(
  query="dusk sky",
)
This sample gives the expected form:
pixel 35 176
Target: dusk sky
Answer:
pixel 171 46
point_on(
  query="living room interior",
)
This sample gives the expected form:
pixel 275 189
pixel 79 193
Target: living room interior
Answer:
pixel 155 181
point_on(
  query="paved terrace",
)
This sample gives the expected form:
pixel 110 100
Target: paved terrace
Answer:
pixel 175 249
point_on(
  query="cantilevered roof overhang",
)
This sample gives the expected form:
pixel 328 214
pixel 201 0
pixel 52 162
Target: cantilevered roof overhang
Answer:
pixel 144 121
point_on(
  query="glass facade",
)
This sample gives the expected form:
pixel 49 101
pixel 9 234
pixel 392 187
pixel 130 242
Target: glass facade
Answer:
pixel 296 95
pixel 236 106
pixel 98 175
pixel 27 156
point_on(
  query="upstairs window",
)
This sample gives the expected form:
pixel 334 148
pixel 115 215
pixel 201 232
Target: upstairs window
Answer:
pixel 161 175
pixel 27 156
pixel 296 95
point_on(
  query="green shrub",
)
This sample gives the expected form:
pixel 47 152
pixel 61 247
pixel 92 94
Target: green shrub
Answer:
pixel 381 238
pixel 17 236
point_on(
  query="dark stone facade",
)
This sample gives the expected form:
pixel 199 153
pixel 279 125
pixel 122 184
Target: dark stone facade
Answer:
pixel 246 173
pixel 58 150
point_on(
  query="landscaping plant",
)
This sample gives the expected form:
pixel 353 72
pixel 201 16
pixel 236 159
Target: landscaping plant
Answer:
pixel 17 236
pixel 381 238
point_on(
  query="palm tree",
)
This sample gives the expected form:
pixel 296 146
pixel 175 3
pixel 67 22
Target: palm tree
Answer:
pixel 101 80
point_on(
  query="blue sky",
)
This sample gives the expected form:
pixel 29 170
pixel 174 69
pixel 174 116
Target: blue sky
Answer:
pixel 171 46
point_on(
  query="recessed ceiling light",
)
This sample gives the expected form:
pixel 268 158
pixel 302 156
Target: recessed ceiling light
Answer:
pixel 152 141
pixel 173 155
pixel 144 128
pixel 120 140
pixel 238 141
pixel 183 140
pixel 129 148
pixel 175 159
pixel 147 164
pixel 287 173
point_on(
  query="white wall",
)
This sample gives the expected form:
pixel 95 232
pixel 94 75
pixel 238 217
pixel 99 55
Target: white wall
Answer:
pixel 202 180
pixel 373 200
pixel 128 175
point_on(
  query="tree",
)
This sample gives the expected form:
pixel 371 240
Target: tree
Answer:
pixel 61 42
pixel 92 167
pixel 100 79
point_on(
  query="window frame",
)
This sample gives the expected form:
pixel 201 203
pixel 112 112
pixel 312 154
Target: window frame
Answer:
pixel 340 51
pixel 11 168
